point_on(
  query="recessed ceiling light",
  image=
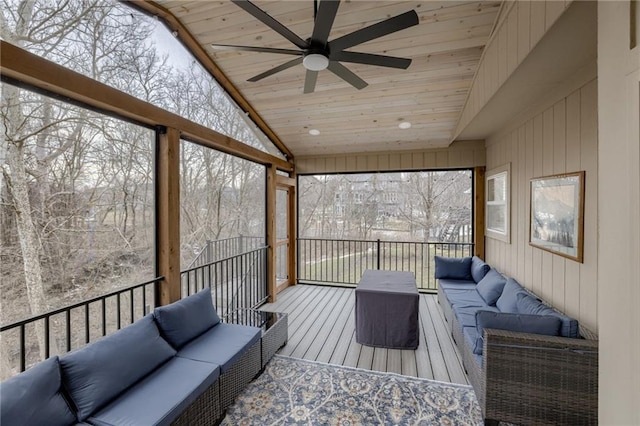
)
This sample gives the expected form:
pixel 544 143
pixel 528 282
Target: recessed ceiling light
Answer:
pixel 314 132
pixel 404 125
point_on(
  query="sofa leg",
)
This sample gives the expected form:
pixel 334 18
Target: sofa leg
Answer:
pixel 491 422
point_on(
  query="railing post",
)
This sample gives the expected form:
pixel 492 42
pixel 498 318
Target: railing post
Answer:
pixel 378 252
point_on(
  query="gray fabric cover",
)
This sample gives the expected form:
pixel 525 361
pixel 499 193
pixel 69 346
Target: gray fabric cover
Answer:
pixel 509 297
pixel 223 345
pixel 100 371
pixel 455 268
pixel 490 287
pixel 33 397
pixel 478 269
pixel 387 310
pixel 530 305
pixel 160 397
pixel 186 319
pixel 470 335
pixel 538 324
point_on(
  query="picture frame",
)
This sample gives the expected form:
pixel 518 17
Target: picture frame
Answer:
pixel 557 214
pixel 498 203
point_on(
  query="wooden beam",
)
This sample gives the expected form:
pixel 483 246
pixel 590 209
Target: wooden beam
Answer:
pixel 271 234
pixel 168 216
pixel 174 25
pixel 25 67
pixel 479 211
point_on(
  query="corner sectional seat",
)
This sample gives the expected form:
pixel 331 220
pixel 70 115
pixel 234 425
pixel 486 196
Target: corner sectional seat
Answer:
pixel 527 362
pixel 177 366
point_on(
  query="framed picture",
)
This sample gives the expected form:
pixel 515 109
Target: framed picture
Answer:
pixel 557 214
pixel 497 208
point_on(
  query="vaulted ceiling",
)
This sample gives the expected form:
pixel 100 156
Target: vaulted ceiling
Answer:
pixel 445 49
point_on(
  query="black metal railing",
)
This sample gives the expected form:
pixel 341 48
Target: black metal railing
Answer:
pixel 343 261
pixel 238 281
pixel 214 250
pixel 59 331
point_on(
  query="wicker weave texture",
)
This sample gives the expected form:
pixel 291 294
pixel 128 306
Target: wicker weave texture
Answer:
pixel 274 338
pixel 532 379
pixel 204 411
pixel 239 375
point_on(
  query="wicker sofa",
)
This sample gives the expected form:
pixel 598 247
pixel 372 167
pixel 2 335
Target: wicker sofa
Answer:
pixel 179 366
pixel 527 362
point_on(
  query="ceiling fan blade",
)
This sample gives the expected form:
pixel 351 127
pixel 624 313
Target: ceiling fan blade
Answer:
pixel 388 26
pixel 277 69
pixel 324 21
pixel 256 49
pixel 344 73
pixel 266 19
pixel 371 59
pixel 310 81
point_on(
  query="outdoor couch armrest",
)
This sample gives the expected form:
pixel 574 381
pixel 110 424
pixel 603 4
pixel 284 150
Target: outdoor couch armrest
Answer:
pixel 532 378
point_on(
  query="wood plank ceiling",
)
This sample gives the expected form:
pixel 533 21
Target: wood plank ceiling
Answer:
pixel 445 48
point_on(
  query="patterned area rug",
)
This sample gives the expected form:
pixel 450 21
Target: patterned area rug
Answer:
pixel 297 392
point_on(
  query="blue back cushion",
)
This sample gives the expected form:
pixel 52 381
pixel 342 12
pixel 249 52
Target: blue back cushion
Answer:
pixel 184 320
pixel 33 397
pixel 547 325
pixel 478 268
pixel 507 300
pixel 490 287
pixel 99 372
pixel 453 268
pixel 530 305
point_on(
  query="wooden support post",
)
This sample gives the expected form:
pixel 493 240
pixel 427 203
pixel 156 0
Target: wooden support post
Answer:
pixel 271 234
pixel 479 211
pixel 168 216
pixel 291 234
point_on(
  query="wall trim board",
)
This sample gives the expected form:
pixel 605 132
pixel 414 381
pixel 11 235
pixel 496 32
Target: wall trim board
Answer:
pixel 460 154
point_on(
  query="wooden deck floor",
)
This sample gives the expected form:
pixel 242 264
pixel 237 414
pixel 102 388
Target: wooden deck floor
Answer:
pixel 322 328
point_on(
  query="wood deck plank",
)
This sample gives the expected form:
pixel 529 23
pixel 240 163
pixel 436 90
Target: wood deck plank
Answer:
pixel 322 328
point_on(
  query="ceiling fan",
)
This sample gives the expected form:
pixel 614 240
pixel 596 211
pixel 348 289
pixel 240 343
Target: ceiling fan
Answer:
pixel 318 53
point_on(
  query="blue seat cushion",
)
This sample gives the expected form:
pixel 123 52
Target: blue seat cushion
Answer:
pixel 160 397
pixel 466 316
pixel 490 287
pixel 224 344
pixel 102 370
pixel 464 298
pixel 530 305
pixel 446 283
pixel 33 397
pixel 523 323
pixel 478 269
pixel 455 268
pixel 507 300
pixel 184 320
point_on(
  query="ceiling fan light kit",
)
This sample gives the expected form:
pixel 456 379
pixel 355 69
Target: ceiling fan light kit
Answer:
pixel 315 62
pixel 317 53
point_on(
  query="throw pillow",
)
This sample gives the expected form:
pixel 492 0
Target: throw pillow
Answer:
pixel 530 305
pixel 453 268
pixel 33 397
pixel 184 320
pixel 490 287
pixel 507 300
pixel 478 268
pixel 99 372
